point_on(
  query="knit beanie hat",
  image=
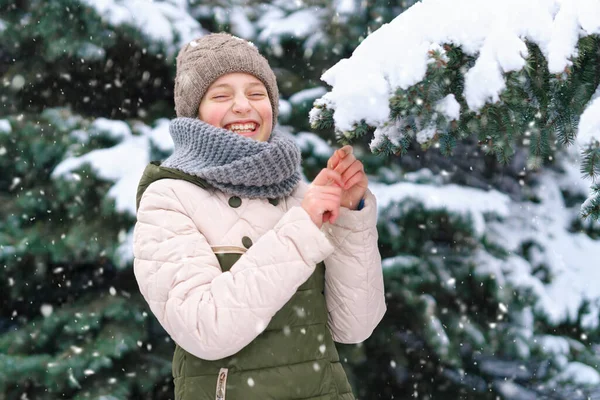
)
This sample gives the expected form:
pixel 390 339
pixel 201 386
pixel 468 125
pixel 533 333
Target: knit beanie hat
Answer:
pixel 202 61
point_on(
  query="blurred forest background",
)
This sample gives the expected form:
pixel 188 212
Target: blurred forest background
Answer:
pixel 491 274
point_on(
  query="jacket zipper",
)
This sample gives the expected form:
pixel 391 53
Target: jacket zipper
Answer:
pixel 221 384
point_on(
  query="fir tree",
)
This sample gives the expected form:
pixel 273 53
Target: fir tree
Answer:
pixel 467 297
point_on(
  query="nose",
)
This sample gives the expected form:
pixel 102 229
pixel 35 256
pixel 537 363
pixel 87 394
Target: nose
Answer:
pixel 241 105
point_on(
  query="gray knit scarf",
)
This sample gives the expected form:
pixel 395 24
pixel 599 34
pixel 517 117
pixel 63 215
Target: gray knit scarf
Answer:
pixel 233 163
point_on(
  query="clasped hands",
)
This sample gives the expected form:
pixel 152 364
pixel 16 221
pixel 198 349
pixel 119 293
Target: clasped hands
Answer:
pixel 342 184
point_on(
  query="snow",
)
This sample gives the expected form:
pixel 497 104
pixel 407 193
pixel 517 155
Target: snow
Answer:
pixel 166 21
pixel 354 99
pixel 5 126
pixel 494 31
pixel 426 134
pixel 449 107
pixel 46 310
pixel 299 24
pixel 240 24
pixel 80 135
pixel 468 202
pixel 565 254
pixel 124 253
pixel 391 131
pixel 345 7
pixel 307 95
pixel 308 140
pixel 588 131
pixel 2 26
pixel 512 390
pixel 554 344
pixel 159 135
pixel 91 52
pixel 579 373
pixel 285 109
pixel 123 163
pixel 401 261
pixel 596 93
pixel 114 128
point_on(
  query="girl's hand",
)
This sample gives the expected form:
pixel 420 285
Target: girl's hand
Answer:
pixel 354 179
pixel 322 199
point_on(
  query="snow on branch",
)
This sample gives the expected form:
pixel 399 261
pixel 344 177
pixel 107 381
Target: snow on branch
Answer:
pixel 166 21
pixel 397 55
pixel 514 73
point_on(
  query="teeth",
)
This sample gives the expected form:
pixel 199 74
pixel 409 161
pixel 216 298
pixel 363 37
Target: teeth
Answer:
pixel 243 127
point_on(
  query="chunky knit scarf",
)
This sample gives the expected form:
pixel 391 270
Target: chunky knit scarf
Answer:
pixel 233 163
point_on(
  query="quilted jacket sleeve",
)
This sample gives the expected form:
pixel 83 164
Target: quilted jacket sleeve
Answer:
pixel 210 313
pixel 353 275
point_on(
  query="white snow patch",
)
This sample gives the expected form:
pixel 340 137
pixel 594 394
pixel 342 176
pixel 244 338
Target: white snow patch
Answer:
pixel 579 373
pixel 240 24
pixel 166 21
pixel 80 135
pixel 91 52
pixel 308 140
pixel 299 24
pixel 122 164
pixel 396 55
pixel 470 202
pixel 307 95
pixel 426 134
pixel 391 131
pixel 5 126
pixel 159 134
pixel 345 7
pixel 588 132
pixel 46 310
pixel 511 390
pixel 402 261
pixel 554 344
pixel 285 109
pixel 115 128
pixel 449 107
pixel 124 253
pixel 566 255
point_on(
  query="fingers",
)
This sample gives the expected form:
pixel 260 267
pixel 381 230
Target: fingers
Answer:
pixel 327 176
pixel 355 167
pixel 342 159
pixel 332 214
pixel 328 200
pixel 354 179
pixel 333 190
pixel 339 155
pixel 330 217
pixel 347 149
pixel 322 201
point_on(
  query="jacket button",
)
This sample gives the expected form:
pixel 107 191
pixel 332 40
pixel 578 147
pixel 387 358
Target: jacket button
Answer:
pixel 235 202
pixel 274 201
pixel 247 242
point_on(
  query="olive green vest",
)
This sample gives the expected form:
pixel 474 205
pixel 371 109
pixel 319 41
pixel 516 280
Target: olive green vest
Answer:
pixel 293 358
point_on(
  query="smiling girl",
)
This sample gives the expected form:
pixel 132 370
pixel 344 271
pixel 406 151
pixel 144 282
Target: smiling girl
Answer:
pixel 253 272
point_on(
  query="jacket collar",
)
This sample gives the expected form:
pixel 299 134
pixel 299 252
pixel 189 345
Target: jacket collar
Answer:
pixel 154 171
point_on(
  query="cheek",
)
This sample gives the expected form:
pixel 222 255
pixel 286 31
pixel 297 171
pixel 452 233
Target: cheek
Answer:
pixel 212 114
pixel 266 114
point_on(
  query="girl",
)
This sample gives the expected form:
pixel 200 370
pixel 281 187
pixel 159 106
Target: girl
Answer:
pixel 252 272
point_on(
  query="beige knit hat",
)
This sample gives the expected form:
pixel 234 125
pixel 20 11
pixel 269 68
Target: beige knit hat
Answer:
pixel 202 61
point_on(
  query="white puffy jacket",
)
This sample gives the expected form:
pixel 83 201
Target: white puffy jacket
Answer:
pixel 214 314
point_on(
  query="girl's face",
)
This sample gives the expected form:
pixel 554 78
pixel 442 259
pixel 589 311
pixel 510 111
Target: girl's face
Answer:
pixel 238 102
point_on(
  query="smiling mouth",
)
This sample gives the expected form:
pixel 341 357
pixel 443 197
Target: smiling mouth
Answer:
pixel 243 129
